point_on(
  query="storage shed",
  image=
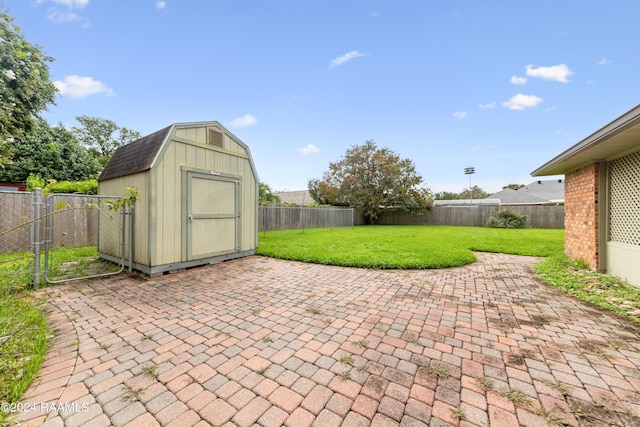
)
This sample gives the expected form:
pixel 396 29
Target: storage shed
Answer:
pixel 199 197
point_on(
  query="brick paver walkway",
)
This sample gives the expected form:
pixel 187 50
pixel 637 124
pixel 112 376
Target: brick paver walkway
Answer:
pixel 264 342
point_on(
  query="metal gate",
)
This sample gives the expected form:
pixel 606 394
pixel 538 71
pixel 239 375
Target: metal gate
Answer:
pixel 72 228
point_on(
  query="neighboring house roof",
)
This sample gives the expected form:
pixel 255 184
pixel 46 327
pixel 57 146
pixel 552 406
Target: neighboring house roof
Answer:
pixel 137 156
pixel 536 193
pixel 616 139
pixel 467 202
pixel 300 197
pixel 13 186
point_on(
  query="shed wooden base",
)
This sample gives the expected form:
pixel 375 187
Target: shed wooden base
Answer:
pixel 157 270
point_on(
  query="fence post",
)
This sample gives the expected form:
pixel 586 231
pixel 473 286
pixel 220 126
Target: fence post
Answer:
pixel 130 237
pixel 37 238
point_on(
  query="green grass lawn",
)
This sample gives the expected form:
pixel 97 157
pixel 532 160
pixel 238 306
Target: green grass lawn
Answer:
pixel 23 330
pixel 23 326
pixel 406 246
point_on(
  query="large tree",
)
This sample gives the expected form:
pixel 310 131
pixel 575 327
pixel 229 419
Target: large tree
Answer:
pixel 446 195
pixel 372 179
pixel 25 88
pixel 50 153
pixel 102 136
pixel 476 192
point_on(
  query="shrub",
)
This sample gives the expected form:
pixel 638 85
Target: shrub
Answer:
pixel 34 181
pixel 506 218
pixel 89 186
pixel 83 187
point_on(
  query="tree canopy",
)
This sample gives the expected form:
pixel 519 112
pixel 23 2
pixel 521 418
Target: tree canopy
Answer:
pixel 446 195
pixel 476 192
pixel 102 136
pixel 372 179
pixel 50 153
pixel 266 195
pixel 25 87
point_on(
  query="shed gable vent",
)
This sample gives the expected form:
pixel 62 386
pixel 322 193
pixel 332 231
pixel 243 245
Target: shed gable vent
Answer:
pixel 215 137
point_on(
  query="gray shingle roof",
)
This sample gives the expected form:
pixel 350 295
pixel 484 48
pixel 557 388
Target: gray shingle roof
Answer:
pixel 136 156
pixel 538 192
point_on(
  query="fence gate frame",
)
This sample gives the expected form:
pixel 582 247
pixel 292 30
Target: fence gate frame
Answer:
pixel 45 244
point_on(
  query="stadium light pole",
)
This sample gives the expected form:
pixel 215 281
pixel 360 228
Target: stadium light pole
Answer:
pixel 470 171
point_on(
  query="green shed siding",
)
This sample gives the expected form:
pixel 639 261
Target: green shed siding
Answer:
pixel 161 219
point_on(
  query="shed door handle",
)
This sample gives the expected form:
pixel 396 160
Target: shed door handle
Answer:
pixel 190 217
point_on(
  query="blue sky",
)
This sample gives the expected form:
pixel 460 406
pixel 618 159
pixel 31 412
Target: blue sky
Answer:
pixel 502 86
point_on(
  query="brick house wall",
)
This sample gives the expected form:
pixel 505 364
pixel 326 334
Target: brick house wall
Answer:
pixel 581 215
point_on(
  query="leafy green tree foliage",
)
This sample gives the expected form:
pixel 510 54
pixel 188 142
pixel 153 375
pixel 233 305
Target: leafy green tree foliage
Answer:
pixel 446 195
pixel 513 186
pixel 476 192
pixel 266 195
pixel 25 88
pixel 372 179
pixel 321 192
pixel 49 153
pixel 102 136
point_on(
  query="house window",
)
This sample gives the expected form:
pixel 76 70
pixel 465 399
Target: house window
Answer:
pixel 624 215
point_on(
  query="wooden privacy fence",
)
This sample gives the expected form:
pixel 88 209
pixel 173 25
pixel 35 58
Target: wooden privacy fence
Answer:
pixel 16 210
pixel 77 227
pixel 73 227
pixel 276 217
pixel 538 216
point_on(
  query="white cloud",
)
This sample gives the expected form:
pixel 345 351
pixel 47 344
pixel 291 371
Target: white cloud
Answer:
pixel 476 148
pixel 161 4
pixel 79 4
pixel 75 86
pixel 309 149
pixel 460 115
pixel 604 61
pixel 515 80
pixel 244 121
pixel 66 15
pixel 487 106
pixel 63 17
pixel 344 58
pixel 558 73
pixel 520 102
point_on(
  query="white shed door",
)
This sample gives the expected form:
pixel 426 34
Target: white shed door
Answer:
pixel 213 217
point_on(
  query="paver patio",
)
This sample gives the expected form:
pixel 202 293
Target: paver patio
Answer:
pixel 265 342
